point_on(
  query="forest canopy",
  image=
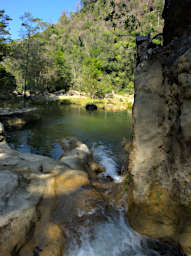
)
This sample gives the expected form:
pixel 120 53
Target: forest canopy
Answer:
pixel 93 50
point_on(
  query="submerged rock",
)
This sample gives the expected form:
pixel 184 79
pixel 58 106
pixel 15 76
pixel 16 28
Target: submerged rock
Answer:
pixel 19 117
pixel 91 107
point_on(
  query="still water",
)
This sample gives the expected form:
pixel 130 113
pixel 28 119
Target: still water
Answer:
pixel 102 131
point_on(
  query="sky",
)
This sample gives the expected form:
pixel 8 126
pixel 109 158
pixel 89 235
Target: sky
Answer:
pixel 47 10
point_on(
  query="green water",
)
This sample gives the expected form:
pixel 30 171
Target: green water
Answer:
pixel 100 130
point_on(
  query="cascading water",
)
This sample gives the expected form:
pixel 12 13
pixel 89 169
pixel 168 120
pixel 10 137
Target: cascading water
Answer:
pixel 105 157
pixel 113 237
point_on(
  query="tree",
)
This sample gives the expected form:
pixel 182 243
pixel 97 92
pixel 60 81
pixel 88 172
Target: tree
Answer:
pixel 4 20
pixel 93 50
pixel 94 82
pixel 31 26
pixel 4 32
pixel 7 81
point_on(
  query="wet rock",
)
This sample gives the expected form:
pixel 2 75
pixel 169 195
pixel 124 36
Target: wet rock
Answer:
pixel 91 107
pixel 164 248
pixel 95 167
pixel 76 154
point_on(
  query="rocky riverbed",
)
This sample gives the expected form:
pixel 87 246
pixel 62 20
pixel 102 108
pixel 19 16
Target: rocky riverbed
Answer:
pixel 43 200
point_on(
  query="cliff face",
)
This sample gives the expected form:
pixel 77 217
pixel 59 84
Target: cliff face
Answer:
pixel 159 192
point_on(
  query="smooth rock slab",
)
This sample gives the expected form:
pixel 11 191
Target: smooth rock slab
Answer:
pixel 8 182
pixel 10 112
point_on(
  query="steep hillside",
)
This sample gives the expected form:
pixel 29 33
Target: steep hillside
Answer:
pixel 93 50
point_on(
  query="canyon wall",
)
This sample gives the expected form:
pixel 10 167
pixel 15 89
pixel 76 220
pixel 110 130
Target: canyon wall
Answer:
pixel 159 191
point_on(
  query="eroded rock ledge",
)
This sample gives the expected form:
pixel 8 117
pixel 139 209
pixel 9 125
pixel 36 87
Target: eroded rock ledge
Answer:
pixel 17 118
pixel 160 163
pixel 43 202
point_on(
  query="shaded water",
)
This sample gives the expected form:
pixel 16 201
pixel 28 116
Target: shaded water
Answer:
pixel 113 237
pixel 101 131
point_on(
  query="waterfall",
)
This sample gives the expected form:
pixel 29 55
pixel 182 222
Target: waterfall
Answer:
pixel 113 237
pixel 104 156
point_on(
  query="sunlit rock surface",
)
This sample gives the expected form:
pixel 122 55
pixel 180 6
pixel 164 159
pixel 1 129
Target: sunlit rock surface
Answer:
pixel 43 202
pixel 159 195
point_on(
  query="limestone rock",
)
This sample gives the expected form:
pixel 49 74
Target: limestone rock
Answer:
pixel 43 202
pixel 76 154
pixel 159 194
pixel 17 118
pixel 23 183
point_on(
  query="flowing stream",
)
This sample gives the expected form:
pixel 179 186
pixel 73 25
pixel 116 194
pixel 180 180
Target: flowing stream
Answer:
pixel 114 237
pixel 103 133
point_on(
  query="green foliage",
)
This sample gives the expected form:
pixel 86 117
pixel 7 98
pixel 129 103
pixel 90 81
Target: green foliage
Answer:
pixel 4 20
pixel 93 50
pixel 94 82
pixel 7 81
pixel 61 77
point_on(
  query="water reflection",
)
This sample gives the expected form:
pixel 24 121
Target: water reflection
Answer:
pixel 100 128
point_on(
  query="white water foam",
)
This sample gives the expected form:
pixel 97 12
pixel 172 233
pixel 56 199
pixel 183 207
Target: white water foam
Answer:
pixel 111 238
pixel 105 158
pixel 114 236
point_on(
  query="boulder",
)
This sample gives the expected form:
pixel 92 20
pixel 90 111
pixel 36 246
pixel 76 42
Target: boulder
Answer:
pixel 91 107
pixel 21 190
pixel 76 154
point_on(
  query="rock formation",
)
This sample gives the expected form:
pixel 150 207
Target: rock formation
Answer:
pixel 43 202
pixel 159 194
pixel 17 118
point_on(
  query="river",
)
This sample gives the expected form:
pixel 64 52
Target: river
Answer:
pixel 103 132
